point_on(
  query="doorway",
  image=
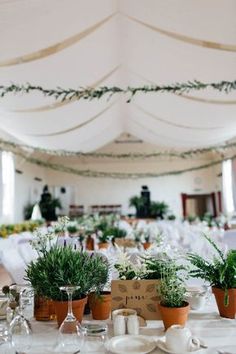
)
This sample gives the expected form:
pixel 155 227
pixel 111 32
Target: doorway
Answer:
pixel 198 204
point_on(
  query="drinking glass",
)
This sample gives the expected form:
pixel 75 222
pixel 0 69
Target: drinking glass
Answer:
pixel 6 346
pixel 95 336
pixel 20 327
pixel 70 336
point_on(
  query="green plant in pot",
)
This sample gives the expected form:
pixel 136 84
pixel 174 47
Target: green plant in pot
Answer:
pixel 173 307
pixel 72 229
pixel 62 266
pixel 104 238
pixel 100 299
pixel 158 210
pixel 147 240
pixel 220 272
pixel 138 203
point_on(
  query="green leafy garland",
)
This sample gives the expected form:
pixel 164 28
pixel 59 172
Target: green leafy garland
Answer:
pixel 130 155
pixel 116 175
pixel 90 93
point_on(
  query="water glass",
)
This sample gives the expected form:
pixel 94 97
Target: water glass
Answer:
pixel 96 335
pixel 27 299
pixel 6 346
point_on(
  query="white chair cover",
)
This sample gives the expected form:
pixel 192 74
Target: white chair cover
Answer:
pixel 36 213
pixel 26 251
pixel 229 239
pixel 14 265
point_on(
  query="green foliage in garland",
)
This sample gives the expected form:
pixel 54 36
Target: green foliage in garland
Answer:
pixel 90 93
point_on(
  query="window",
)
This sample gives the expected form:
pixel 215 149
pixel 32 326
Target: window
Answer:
pixel 227 186
pixel 8 184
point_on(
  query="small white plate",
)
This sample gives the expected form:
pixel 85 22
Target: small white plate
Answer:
pixel 131 344
pixel 161 343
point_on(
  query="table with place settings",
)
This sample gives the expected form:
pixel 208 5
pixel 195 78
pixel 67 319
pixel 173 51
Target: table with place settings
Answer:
pixel 215 332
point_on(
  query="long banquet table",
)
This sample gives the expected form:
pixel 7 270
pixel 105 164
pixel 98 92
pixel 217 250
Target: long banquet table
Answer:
pixel 215 332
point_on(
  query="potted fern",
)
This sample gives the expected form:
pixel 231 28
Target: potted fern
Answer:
pixel 138 203
pixel 158 210
pixel 171 290
pixel 221 274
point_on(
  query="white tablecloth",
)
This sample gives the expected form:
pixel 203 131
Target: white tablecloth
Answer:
pixel 216 332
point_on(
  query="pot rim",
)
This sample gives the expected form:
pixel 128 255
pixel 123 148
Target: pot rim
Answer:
pixel 223 289
pixel 186 304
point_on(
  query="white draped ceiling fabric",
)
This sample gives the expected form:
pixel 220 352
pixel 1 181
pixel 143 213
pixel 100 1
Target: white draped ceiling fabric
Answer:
pixel 71 43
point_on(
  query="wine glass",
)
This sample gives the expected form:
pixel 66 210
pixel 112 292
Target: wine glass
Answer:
pixel 20 327
pixel 6 346
pixel 71 336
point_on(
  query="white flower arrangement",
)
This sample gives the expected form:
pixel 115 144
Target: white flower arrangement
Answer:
pixel 43 239
pixel 129 270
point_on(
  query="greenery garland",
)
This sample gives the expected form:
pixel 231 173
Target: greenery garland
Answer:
pixel 131 155
pixel 115 175
pixel 90 93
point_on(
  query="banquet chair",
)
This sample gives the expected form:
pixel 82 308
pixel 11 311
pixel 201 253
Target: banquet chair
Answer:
pixel 14 265
pixel 229 239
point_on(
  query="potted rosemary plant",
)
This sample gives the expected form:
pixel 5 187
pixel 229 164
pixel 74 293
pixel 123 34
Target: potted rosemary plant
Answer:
pixel 171 290
pixel 61 266
pixel 221 274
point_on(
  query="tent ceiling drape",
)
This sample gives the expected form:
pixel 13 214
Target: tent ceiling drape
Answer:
pixel 71 43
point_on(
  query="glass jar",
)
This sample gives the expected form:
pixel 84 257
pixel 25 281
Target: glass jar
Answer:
pixel 95 335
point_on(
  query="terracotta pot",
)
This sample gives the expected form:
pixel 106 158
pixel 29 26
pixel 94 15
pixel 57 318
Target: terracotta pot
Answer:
pixel 146 245
pixel 43 309
pixel 174 315
pixel 100 305
pixel 225 311
pixel 103 245
pixel 61 308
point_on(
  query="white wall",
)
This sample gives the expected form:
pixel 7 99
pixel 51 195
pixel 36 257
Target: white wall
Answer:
pixel 90 191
